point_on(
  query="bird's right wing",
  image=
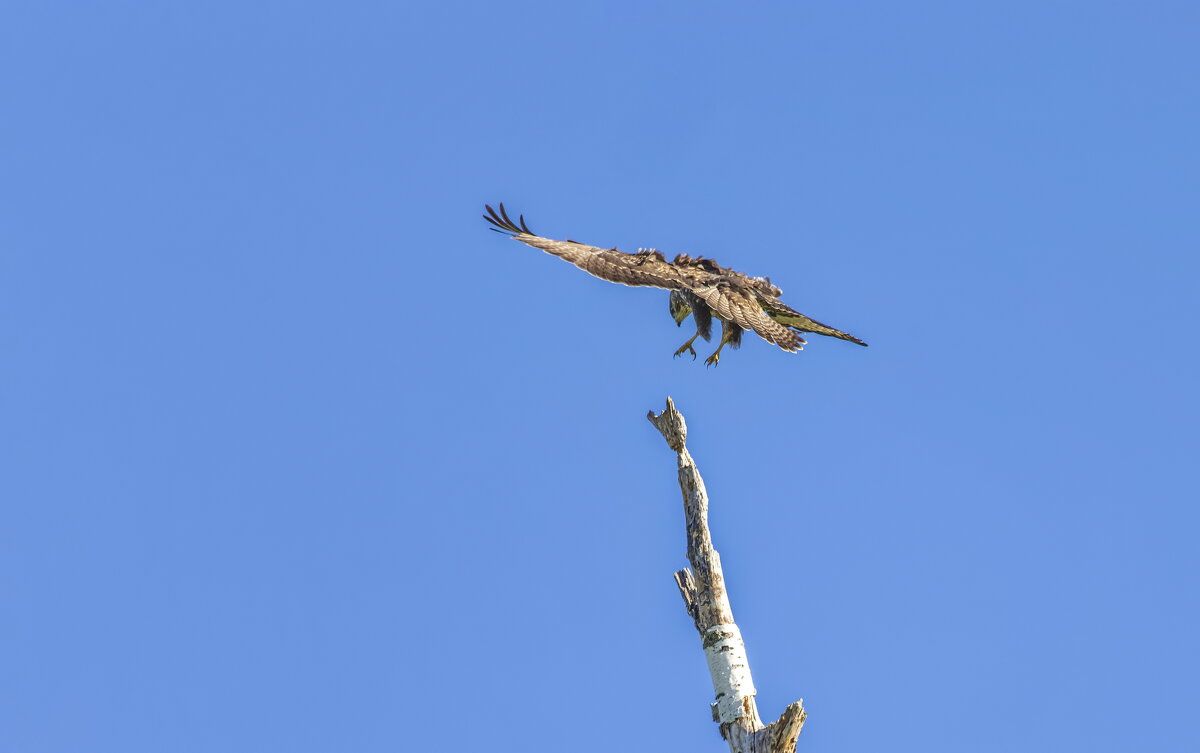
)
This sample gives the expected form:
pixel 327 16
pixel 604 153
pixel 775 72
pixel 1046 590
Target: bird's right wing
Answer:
pixel 643 269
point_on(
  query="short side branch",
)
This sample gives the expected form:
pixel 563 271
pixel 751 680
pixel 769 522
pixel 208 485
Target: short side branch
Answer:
pixel 707 603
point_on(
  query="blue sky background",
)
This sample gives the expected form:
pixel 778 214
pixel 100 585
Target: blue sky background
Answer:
pixel 298 457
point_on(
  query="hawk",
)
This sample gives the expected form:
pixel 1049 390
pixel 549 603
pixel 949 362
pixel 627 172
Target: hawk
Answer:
pixel 699 287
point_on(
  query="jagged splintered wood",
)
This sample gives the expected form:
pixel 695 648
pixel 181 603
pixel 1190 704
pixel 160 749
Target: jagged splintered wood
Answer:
pixel 704 596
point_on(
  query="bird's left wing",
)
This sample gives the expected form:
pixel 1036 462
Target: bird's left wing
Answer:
pixel 645 268
pixel 733 300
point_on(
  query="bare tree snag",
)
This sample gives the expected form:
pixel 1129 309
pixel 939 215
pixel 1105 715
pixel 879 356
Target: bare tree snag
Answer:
pixel 707 602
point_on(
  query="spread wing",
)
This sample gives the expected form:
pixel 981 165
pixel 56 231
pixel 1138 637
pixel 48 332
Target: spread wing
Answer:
pixel 730 295
pixel 735 301
pixel 645 268
pixel 784 314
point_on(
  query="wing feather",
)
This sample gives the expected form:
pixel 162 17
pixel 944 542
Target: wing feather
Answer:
pixel 730 301
pixel 643 269
pixel 610 264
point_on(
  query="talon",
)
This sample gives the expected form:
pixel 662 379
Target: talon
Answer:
pixel 687 348
pixel 730 335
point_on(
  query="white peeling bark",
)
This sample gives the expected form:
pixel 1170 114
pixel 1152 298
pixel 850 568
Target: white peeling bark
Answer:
pixel 707 602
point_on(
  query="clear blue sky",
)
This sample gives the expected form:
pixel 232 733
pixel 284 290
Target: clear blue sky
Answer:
pixel 298 457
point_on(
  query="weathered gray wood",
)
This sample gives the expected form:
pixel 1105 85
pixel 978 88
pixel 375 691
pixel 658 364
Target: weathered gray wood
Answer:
pixel 704 596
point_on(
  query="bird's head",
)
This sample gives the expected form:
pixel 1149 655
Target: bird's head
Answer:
pixel 680 308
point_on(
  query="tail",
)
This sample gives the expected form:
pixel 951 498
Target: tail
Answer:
pixel 787 316
pixel 822 329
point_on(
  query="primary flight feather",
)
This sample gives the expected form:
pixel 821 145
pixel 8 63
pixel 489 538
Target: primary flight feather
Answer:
pixel 699 287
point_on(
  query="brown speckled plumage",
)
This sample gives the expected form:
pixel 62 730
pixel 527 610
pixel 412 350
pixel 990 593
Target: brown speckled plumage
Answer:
pixel 739 301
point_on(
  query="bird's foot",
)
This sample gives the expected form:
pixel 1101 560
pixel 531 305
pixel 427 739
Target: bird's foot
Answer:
pixel 686 348
pixel 713 360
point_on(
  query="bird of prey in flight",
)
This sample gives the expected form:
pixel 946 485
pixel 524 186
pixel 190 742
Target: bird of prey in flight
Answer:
pixel 698 286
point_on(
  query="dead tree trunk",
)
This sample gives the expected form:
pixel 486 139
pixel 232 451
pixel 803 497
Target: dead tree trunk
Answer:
pixel 707 602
